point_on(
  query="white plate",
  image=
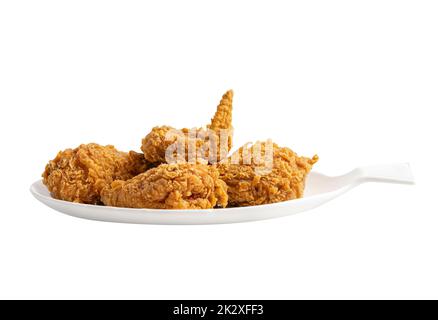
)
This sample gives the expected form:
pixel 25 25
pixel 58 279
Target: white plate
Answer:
pixel 319 189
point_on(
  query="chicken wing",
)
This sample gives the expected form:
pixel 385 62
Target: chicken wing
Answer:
pixel 78 175
pixel 211 144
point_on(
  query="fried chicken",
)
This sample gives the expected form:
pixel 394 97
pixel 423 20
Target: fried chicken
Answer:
pixel 180 169
pixel 222 120
pixel 195 143
pixel 170 186
pixel 264 173
pixel 79 175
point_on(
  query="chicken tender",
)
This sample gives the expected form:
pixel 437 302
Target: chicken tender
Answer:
pixel 170 186
pixel 211 144
pixel 264 173
pixel 79 175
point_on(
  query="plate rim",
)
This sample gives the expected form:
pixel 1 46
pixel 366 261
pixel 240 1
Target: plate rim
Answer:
pixel 37 194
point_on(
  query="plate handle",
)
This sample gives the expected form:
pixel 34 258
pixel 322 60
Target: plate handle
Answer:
pixel 390 173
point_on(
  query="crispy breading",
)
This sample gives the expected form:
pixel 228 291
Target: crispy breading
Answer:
pixel 262 179
pixel 78 175
pixel 206 143
pixel 155 144
pixel 223 117
pixel 170 186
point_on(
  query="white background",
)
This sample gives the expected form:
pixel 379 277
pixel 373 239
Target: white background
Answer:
pixel 354 81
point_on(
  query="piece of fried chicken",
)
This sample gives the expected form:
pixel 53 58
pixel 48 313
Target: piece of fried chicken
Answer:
pixel 170 186
pixel 211 144
pixel 264 173
pixel 79 175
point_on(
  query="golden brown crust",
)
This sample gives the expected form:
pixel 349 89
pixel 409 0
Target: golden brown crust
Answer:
pixel 154 145
pixel 223 117
pixel 170 186
pixel 259 181
pixel 78 175
pixel 206 141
